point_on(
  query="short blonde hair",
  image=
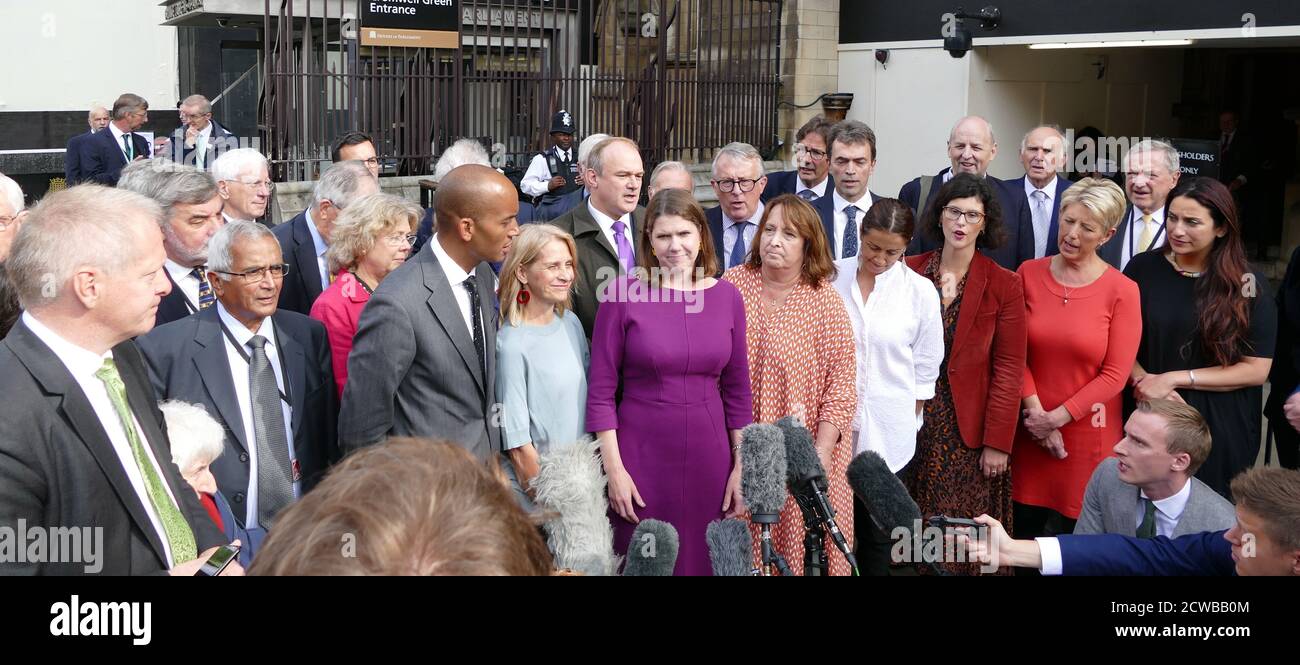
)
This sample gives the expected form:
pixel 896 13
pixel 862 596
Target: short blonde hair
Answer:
pixel 196 438
pixel 523 252
pixel 1101 197
pixel 1185 430
pixel 363 222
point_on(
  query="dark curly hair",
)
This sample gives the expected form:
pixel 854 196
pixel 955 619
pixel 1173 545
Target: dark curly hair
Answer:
pixel 965 186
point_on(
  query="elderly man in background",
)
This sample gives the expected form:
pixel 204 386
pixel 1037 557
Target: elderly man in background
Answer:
pixel 12 213
pixel 191 216
pixel 1150 172
pixel 738 180
pixel 1042 153
pixel 200 140
pixel 98 120
pixel 244 182
pixel 669 175
pixel 81 439
pixel 305 238
pixel 971 149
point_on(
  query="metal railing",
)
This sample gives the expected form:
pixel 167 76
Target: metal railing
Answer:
pixel 680 77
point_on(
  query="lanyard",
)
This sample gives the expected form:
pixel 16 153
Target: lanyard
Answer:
pixel 1160 232
pixel 239 348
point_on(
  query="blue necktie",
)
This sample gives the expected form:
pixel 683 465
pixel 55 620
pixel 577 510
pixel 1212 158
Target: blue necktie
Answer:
pixel 850 243
pixel 738 249
pixel 808 195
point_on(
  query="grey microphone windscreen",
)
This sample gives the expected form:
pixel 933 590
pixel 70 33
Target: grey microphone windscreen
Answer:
pixel 762 476
pixel 731 549
pixel 570 489
pixel 884 494
pixel 652 551
pixel 802 463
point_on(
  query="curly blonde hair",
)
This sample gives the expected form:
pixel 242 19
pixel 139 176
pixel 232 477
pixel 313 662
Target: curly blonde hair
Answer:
pixel 364 222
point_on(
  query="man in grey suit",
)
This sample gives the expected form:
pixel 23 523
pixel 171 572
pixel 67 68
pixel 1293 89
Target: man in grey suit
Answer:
pixel 1147 489
pixel 604 229
pixel 423 361
pixel 264 374
pixel 83 449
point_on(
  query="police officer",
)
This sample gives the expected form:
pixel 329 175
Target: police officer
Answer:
pixel 553 176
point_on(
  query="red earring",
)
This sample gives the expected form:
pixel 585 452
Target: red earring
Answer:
pixel 523 297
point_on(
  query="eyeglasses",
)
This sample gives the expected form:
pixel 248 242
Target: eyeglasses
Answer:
pixel 277 271
pixel 194 116
pixel 399 239
pixel 746 185
pixel 813 153
pixel 953 214
pixel 373 161
pixel 258 184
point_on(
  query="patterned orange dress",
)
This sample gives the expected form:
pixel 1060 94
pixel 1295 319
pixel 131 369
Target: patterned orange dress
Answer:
pixel 801 362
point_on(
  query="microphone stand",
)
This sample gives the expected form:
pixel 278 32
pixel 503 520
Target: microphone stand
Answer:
pixel 814 538
pixel 771 557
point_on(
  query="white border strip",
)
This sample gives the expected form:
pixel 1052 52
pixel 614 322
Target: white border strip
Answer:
pixel 978 40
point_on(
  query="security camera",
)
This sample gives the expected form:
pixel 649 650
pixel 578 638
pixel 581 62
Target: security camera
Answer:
pixel 959 43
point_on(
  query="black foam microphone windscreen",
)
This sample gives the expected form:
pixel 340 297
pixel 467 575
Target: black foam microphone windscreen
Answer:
pixel 652 551
pixel 731 549
pixel 763 469
pixel 883 493
pixel 802 463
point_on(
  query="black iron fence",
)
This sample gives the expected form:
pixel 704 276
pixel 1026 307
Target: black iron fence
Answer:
pixel 680 77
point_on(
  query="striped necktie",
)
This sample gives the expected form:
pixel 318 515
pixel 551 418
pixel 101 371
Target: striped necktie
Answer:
pixel 206 297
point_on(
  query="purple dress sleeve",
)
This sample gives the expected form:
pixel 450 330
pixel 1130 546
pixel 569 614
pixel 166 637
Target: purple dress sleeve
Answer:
pixel 737 398
pixel 608 336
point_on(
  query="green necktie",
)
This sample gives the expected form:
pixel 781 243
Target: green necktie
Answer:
pixel 1147 529
pixel 177 530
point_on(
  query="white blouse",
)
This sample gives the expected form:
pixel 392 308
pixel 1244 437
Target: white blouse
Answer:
pixel 898 335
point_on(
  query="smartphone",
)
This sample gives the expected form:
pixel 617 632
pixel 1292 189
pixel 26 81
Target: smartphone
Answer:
pixel 943 521
pixel 218 561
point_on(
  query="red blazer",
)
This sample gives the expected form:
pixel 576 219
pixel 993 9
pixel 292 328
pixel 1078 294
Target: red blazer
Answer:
pixel 339 308
pixel 986 364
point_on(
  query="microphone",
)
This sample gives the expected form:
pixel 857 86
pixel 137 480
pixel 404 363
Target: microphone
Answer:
pixel 762 484
pixel 652 552
pixel 570 491
pixel 730 548
pixel 807 480
pixel 886 498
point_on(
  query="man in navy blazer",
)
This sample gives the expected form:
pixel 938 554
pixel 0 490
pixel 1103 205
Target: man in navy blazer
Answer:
pixel 304 239
pixel 1151 172
pixel 971 149
pixel 212 359
pixel 1042 153
pixel 852 160
pixel 105 154
pixel 1264 540
pixel 811 156
pixel 98 120
pixel 738 180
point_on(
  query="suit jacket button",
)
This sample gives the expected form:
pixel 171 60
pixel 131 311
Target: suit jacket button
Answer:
pixel 239 497
pixel 243 457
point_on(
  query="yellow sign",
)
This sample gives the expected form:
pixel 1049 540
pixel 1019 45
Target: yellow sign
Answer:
pixel 409 38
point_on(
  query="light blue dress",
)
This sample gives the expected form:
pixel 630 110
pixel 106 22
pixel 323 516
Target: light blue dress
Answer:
pixel 542 387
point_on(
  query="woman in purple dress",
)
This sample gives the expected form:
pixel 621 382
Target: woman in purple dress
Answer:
pixel 673 340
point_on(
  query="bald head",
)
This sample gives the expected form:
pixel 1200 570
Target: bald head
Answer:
pixel 98 118
pixel 971 146
pixel 468 190
pixel 476 209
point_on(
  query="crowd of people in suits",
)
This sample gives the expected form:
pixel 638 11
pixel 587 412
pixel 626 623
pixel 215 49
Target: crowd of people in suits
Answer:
pixel 1057 358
